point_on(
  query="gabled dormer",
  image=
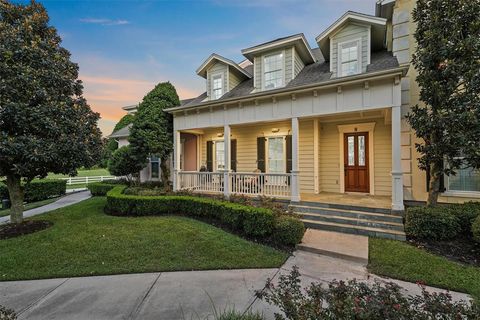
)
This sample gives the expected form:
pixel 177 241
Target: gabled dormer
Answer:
pixel 349 42
pixel 222 75
pixel 277 62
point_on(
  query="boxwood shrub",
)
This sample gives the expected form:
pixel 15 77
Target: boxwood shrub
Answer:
pixel 476 230
pixel 259 223
pixel 38 190
pixel 431 223
pixel 466 213
pixel 101 188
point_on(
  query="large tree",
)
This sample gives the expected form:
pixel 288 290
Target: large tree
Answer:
pixel 45 123
pixel 110 144
pixel 152 129
pixel 447 59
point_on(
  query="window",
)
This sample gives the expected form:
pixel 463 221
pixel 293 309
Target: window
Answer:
pixel 217 86
pixel 273 71
pixel 220 155
pixel 276 155
pixel 466 180
pixel 155 167
pixel 348 57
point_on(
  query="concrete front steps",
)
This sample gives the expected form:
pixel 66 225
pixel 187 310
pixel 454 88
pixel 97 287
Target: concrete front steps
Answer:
pixel 375 222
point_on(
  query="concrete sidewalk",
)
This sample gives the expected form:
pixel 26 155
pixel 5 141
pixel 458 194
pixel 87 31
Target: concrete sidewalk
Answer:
pixel 64 201
pixel 174 295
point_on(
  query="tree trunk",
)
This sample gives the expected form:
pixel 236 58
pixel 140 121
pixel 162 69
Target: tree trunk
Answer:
pixel 165 171
pixel 15 191
pixel 434 186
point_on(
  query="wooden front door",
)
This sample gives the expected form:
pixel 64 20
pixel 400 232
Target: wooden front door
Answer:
pixel 356 162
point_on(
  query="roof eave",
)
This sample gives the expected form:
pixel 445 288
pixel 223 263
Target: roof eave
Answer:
pixel 202 70
pixel 401 70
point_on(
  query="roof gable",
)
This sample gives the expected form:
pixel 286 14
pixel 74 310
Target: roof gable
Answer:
pixel 202 70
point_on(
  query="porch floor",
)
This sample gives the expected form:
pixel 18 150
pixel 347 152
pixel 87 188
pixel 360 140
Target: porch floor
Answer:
pixel 353 199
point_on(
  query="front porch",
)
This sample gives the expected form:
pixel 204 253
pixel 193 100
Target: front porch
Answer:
pixel 349 158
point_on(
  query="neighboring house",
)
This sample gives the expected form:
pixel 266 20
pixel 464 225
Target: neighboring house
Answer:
pixel 294 120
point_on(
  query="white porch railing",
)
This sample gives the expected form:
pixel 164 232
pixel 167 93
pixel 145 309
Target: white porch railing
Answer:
pixel 87 180
pixel 201 181
pixel 254 184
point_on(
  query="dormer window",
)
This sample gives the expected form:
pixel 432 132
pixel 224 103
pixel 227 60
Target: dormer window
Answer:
pixel 349 63
pixel 273 73
pixel 217 86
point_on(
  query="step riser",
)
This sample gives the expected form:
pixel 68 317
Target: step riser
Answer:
pixel 346 229
pixel 343 207
pixel 371 224
pixel 356 215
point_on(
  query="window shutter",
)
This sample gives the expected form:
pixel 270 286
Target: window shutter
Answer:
pixel 289 153
pixel 261 154
pixel 233 155
pixel 210 156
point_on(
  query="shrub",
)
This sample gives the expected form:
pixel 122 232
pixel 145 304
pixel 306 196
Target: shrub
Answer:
pixel 476 230
pixel 466 214
pixel 359 300
pixel 100 188
pixel 249 221
pixel 123 163
pixel 431 223
pixel 7 314
pixel 288 230
pixel 38 190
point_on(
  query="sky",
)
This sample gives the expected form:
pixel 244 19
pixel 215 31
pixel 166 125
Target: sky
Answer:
pixel 124 48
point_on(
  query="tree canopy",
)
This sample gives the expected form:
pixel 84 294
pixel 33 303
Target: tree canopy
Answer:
pixel 447 59
pixel 45 123
pixel 152 129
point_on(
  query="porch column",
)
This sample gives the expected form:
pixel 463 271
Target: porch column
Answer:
pixel 397 174
pixel 226 173
pixel 176 159
pixel 295 192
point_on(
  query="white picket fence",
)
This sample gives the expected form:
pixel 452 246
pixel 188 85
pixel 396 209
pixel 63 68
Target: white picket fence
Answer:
pixel 87 180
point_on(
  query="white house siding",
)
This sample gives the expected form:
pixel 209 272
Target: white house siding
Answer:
pixel 122 142
pixel 349 33
pixel 217 67
pixel 298 63
pixel 234 80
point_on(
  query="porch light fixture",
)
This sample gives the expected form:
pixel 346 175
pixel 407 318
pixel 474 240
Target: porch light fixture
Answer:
pixel 219 134
pixel 275 130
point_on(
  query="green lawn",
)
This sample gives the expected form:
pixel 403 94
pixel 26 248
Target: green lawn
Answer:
pixel 31 205
pixel 402 261
pixel 85 241
pixel 82 173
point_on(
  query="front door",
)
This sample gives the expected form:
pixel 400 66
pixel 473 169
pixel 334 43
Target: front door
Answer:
pixel 356 162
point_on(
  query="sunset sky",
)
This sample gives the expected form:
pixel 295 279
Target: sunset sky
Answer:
pixel 124 47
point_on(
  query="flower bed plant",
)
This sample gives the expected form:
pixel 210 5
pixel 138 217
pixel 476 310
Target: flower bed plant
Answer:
pixel 253 222
pixel 359 300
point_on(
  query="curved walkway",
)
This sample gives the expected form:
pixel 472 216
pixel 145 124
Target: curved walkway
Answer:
pixel 67 200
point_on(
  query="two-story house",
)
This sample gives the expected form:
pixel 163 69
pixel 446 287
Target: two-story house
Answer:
pixel 319 123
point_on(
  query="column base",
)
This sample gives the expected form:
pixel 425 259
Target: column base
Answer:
pixel 295 187
pixel 397 192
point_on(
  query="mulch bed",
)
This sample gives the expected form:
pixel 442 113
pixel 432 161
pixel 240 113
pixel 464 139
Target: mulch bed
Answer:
pixel 463 250
pixel 11 230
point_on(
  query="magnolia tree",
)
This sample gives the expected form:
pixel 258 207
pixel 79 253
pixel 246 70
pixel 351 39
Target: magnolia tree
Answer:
pixel 45 123
pixel 152 129
pixel 447 59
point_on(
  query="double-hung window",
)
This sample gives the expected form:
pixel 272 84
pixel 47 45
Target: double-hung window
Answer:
pixel 273 71
pixel 349 58
pixel 467 179
pixel 217 86
pixel 220 155
pixel 155 167
pixel 276 155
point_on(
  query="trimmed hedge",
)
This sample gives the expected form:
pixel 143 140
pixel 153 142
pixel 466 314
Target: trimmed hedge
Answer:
pixel 466 213
pixel 250 221
pixel 476 230
pixel 431 223
pixel 38 190
pixel 100 188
